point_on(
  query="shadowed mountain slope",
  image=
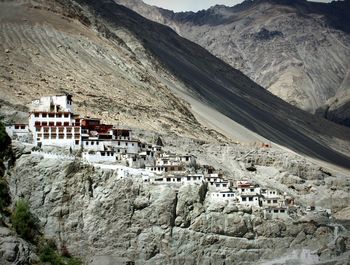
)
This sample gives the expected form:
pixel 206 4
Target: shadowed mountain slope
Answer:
pixel 227 89
pixel 298 50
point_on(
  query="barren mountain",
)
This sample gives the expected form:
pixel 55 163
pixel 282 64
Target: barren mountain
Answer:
pixel 126 69
pixel 298 50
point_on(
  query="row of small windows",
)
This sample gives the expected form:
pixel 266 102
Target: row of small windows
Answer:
pixel 51 123
pixel 251 190
pixel 22 127
pixel 244 199
pixel 276 211
pixel 58 136
pixel 60 130
pixel 224 195
pixel 271 201
pixel 92 143
pixel 51 115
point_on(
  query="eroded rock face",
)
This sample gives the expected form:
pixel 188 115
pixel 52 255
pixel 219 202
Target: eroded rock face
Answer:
pixel 14 250
pixel 106 220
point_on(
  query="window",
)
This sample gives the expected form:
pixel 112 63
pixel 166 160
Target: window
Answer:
pixel 53 135
pixel 275 211
pixel 97 143
pixel 224 195
pixel 92 142
pixel 69 136
pixel 44 123
pixel 132 144
pixel 250 199
pixel 77 142
pixel 69 130
pixel 23 127
pixel 244 199
pixel 268 201
pixel 37 129
pixel 126 144
pixel 178 180
pixel 252 190
pixel 77 136
pixel 51 115
pixel 51 123
pixel 17 127
pixel 44 115
pixel 188 178
pixel 282 211
pixel 168 179
pixel 66 115
pixel 60 130
pixel 118 143
pixel 46 136
pixel 66 124
pixel 242 190
pixel 224 185
pixel 37 123
pixel 274 201
pixel 36 115
pixel 86 143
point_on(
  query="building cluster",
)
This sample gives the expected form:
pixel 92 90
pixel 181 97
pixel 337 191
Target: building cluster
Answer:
pixel 52 122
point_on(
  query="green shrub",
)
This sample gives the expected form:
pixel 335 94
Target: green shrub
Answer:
pixel 23 221
pixel 48 254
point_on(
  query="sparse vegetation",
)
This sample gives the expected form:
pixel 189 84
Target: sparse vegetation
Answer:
pixel 48 253
pixel 23 221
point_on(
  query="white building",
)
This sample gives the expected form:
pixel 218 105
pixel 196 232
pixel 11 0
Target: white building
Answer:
pixel 276 213
pixel 19 132
pixel 179 179
pixel 52 122
pixel 249 200
pixel 272 198
pixel 100 156
pixel 223 196
pixel 61 103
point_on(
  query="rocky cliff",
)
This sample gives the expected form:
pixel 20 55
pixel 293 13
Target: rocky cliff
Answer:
pixel 94 214
pixel 298 50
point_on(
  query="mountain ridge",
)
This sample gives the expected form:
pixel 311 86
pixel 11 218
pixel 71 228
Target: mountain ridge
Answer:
pixel 304 63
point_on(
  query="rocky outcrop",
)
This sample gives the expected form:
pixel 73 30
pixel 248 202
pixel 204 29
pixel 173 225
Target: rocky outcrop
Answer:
pixel 14 250
pixel 94 215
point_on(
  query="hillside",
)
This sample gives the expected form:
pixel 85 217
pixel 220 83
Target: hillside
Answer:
pixel 298 50
pixel 139 74
pixel 126 69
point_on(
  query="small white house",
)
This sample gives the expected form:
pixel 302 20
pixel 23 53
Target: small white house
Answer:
pixel 100 156
pixel 249 200
pixel 276 213
pixel 223 196
pixel 18 131
pixel 179 179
